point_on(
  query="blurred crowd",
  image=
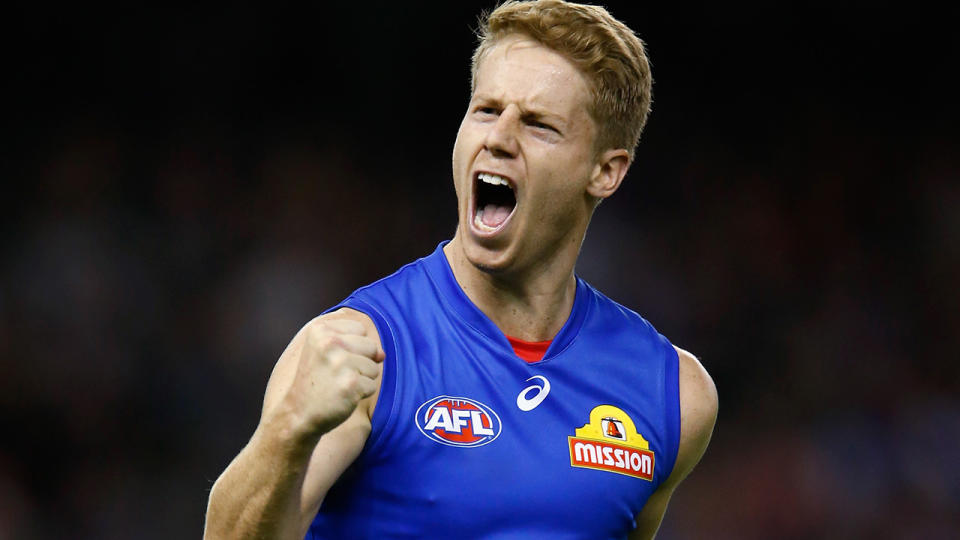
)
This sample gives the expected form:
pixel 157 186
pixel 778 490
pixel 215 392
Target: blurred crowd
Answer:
pixel 151 277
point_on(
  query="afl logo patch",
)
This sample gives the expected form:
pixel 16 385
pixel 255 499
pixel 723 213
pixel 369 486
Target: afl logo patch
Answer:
pixel 458 421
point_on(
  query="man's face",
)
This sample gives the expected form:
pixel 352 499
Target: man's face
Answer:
pixel 523 158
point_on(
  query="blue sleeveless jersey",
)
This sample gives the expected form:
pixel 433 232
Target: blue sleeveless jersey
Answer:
pixel 470 441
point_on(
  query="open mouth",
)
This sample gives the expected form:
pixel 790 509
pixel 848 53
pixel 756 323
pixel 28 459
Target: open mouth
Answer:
pixel 494 202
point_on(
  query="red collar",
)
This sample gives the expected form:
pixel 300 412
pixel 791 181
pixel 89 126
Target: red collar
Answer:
pixel 531 351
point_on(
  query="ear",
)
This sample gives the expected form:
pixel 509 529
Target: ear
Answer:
pixel 609 171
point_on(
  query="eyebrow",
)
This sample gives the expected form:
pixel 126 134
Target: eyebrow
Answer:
pixel 537 115
pixel 526 113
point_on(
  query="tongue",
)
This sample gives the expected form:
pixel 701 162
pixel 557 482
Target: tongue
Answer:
pixel 494 215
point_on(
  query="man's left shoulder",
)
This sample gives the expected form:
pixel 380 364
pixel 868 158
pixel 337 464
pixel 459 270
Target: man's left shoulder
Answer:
pixel 699 404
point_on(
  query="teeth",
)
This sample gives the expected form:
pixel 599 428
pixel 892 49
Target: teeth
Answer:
pixel 478 221
pixel 493 179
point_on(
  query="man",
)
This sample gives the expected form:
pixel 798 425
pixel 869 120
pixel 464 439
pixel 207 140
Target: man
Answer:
pixel 484 390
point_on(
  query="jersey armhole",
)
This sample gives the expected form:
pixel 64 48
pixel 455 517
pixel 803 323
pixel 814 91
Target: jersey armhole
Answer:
pixel 671 375
pixel 383 411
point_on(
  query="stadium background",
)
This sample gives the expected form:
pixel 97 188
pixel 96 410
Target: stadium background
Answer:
pixel 187 188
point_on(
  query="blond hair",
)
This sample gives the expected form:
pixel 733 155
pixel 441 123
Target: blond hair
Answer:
pixel 604 49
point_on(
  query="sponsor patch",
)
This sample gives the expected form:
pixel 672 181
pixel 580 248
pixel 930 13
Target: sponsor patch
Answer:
pixel 458 421
pixel 610 442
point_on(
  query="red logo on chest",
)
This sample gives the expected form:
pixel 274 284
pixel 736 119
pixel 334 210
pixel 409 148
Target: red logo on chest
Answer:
pixel 458 421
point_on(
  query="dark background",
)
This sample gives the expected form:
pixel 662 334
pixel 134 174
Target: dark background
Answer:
pixel 184 189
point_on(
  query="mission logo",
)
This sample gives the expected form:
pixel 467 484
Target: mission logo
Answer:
pixel 458 421
pixel 610 442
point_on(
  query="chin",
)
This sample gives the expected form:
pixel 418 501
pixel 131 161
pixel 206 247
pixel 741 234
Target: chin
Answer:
pixel 488 269
pixel 486 259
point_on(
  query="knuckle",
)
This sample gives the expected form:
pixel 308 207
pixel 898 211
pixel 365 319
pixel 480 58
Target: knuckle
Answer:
pixel 348 383
pixel 329 343
pixel 352 327
pixel 366 387
pixel 368 342
pixel 358 328
pixel 370 368
pixel 331 362
pixel 319 325
pixel 316 333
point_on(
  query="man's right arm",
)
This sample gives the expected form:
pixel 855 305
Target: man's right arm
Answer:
pixel 315 421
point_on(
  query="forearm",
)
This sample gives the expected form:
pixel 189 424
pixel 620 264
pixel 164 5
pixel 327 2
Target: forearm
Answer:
pixel 259 495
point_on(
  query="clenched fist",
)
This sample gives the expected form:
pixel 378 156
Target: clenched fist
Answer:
pixel 337 367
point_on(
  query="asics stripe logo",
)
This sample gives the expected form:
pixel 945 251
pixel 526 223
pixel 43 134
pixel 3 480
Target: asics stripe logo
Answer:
pixel 527 403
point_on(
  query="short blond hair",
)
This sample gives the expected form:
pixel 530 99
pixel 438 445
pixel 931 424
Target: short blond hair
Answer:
pixel 605 50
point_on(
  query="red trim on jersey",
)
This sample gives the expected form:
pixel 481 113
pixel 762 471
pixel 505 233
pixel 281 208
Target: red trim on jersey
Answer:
pixel 531 351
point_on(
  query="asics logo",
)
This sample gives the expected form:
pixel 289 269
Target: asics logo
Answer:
pixel 529 403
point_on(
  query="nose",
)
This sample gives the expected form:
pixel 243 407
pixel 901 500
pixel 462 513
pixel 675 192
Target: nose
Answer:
pixel 501 140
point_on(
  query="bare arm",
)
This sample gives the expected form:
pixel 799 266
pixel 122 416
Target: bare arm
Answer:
pixel 698 414
pixel 315 421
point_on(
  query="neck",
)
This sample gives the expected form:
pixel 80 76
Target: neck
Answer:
pixel 531 304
